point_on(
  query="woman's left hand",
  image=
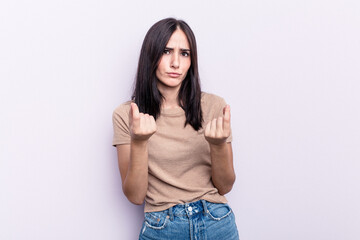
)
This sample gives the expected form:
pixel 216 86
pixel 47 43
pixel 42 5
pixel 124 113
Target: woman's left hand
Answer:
pixel 218 130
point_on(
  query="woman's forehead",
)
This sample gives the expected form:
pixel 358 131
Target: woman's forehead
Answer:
pixel 178 40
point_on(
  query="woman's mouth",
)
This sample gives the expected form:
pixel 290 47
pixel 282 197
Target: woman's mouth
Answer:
pixel 173 74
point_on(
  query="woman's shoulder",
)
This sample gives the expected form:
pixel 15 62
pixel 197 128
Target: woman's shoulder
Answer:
pixel 212 106
pixel 122 109
pixel 210 99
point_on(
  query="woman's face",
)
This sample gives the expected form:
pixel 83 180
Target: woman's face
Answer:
pixel 174 63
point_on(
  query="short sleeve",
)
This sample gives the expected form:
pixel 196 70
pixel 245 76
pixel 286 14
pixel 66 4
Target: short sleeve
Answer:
pixel 120 119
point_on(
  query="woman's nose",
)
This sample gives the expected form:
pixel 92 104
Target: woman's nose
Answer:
pixel 175 61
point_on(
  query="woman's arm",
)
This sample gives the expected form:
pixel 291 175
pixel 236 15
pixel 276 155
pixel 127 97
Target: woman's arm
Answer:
pixel 222 169
pixel 133 157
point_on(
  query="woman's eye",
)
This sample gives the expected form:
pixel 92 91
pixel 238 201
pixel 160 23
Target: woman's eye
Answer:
pixel 185 54
pixel 166 51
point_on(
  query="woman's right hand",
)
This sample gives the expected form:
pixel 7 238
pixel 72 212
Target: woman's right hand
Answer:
pixel 142 126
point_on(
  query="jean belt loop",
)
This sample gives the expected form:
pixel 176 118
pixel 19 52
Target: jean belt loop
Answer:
pixel 171 214
pixel 204 206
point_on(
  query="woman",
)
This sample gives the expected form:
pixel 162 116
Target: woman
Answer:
pixel 174 142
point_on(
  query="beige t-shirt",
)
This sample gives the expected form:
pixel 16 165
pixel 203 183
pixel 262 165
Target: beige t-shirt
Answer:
pixel 179 157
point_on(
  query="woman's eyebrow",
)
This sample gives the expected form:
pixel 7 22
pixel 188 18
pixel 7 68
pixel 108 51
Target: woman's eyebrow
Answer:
pixel 182 49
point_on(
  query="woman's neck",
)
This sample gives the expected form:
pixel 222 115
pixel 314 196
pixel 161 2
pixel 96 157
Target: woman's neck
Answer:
pixel 170 98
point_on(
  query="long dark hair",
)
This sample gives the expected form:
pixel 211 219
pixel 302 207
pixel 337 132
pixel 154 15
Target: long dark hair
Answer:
pixel 146 94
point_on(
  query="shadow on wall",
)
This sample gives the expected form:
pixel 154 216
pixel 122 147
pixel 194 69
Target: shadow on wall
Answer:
pixel 130 216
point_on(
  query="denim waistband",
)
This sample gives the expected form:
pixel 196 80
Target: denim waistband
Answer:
pixel 188 209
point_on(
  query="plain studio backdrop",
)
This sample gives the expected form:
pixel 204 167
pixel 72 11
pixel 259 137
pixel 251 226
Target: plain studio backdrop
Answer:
pixel 289 70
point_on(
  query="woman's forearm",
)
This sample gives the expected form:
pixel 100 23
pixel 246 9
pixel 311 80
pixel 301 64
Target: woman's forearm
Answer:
pixel 222 170
pixel 136 181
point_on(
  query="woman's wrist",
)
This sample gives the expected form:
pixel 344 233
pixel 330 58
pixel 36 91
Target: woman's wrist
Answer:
pixel 218 146
pixel 139 142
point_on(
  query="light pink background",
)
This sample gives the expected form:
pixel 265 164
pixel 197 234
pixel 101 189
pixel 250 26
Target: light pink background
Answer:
pixel 289 70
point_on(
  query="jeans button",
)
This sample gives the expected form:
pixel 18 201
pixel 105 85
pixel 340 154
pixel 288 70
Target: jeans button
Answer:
pixel 190 209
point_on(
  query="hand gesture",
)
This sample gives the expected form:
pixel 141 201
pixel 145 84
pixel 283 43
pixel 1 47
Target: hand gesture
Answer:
pixel 142 126
pixel 218 130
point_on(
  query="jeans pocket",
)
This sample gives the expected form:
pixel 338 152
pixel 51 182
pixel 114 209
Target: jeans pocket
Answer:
pixel 218 211
pixel 156 220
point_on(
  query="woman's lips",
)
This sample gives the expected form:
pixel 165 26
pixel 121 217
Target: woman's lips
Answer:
pixel 173 74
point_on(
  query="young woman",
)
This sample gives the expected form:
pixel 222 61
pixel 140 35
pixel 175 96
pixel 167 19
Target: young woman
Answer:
pixel 174 142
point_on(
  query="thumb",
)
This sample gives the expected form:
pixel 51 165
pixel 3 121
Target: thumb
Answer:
pixel 226 116
pixel 134 111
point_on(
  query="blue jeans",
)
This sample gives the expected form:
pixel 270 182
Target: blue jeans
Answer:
pixel 200 220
